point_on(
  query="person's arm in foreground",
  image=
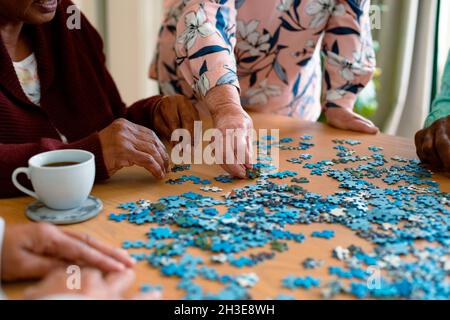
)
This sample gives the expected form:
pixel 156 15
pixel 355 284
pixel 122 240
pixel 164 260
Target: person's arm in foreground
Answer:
pixel 205 48
pixel 36 250
pixel 349 64
pixel 433 142
pixel 31 251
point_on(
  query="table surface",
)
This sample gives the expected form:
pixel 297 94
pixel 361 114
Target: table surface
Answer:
pixel 135 183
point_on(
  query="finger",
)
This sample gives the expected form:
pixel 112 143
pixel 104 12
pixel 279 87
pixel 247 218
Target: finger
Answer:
pixel 249 152
pixel 120 282
pixel 249 139
pixel 369 122
pixel 230 161
pixel 117 254
pixel 361 126
pixel 234 170
pixel 443 147
pixel 147 162
pixel 151 150
pixel 429 150
pixel 71 249
pixel 240 154
pixel 374 129
pixel 162 152
pixel 148 137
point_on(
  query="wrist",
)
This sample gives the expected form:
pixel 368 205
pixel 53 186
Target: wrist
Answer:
pixel 223 99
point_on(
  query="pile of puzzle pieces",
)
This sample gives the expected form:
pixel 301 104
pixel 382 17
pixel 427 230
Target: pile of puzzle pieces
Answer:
pixel 411 209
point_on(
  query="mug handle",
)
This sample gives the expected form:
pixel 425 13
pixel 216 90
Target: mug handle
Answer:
pixel 19 186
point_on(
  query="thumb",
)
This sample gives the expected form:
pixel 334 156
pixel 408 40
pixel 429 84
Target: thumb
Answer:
pixel 359 125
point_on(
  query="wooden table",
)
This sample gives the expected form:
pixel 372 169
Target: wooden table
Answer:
pixel 135 183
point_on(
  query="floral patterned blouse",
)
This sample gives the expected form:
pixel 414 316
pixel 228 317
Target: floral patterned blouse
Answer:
pixel 270 50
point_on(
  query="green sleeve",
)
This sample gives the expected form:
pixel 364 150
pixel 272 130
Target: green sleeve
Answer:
pixel 441 104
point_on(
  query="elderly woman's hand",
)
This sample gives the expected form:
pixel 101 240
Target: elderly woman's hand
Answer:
pixel 433 145
pixel 125 144
pixel 174 112
pixel 228 115
pixel 345 119
pixel 33 250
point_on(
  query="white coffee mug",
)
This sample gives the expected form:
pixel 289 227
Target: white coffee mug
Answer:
pixel 60 187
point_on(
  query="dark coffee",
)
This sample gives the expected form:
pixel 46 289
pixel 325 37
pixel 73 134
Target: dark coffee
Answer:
pixel 61 164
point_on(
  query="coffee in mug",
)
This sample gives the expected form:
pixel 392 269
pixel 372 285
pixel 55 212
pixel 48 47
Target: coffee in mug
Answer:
pixel 61 164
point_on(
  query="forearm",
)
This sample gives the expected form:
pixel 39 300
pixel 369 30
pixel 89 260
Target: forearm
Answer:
pixel 205 46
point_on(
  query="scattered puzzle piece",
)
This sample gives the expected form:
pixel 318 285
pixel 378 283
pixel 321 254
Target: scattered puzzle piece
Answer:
pixel 409 208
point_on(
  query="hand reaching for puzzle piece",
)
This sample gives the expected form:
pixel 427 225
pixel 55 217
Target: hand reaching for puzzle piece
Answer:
pixel 125 144
pixel 235 125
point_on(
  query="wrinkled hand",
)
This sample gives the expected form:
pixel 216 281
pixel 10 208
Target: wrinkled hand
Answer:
pixel 31 251
pixel 345 119
pixel 93 285
pixel 174 112
pixel 227 114
pixel 125 144
pixel 433 145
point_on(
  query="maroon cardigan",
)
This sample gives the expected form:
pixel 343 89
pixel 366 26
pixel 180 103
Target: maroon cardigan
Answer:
pixel 78 98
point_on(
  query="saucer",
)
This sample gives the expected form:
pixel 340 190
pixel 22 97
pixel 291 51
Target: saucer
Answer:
pixel 37 211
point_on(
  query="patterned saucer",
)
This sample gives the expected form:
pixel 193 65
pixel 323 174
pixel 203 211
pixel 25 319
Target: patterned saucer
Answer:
pixel 37 211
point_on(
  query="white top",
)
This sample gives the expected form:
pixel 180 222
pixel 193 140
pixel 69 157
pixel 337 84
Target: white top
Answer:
pixel 27 72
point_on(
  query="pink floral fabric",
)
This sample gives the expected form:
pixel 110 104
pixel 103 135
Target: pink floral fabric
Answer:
pixel 270 50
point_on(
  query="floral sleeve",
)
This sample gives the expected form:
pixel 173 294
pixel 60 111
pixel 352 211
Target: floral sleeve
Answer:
pixel 349 54
pixel 206 37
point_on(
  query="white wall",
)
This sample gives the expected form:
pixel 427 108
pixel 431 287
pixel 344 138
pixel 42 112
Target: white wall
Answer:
pixel 130 35
pixel 91 9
